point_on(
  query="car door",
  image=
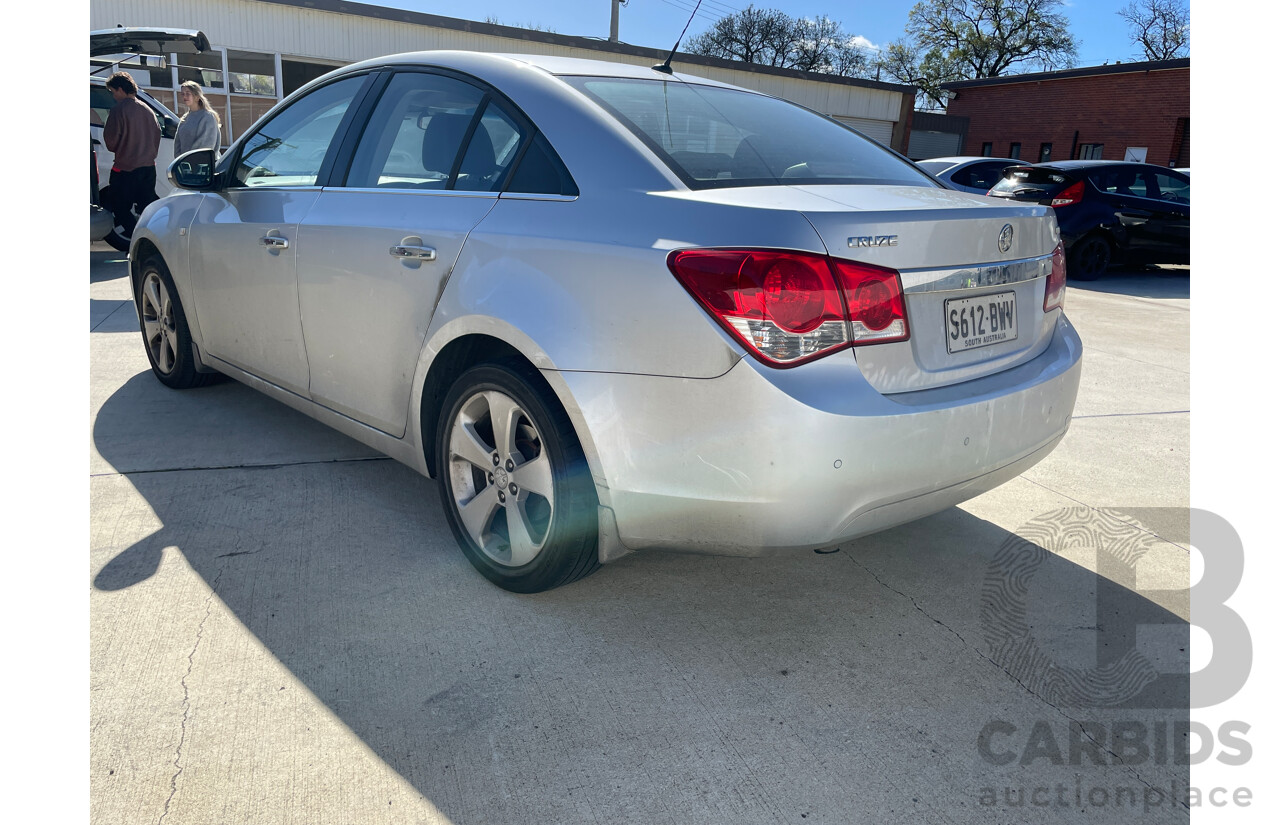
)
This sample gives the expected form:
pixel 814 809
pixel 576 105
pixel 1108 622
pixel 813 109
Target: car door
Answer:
pixel 1170 193
pixel 1123 189
pixel 375 252
pixel 243 240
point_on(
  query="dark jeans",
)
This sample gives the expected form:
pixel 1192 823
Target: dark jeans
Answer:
pixel 130 192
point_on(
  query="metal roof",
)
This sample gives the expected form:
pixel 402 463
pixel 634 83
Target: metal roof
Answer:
pixel 1091 71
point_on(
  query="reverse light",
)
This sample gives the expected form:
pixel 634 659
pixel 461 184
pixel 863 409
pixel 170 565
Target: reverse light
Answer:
pixel 1055 286
pixel 1071 195
pixel 787 308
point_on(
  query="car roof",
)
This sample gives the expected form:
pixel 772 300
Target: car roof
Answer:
pixel 966 159
pixel 551 64
pixel 1068 165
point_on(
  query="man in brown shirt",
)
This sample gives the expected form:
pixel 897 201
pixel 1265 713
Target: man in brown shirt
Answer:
pixel 133 135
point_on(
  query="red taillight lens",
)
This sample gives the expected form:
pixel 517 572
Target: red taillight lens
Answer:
pixel 792 307
pixel 1072 194
pixel 1055 286
pixel 877 311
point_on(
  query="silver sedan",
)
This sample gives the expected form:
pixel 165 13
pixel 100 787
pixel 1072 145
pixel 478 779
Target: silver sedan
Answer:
pixel 612 308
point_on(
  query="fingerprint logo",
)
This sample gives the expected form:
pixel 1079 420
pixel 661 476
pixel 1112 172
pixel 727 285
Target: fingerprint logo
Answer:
pixel 1005 590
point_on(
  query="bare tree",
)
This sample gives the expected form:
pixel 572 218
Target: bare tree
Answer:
pixel 950 40
pixel 1161 27
pixel 752 36
pixel 774 38
pixel 822 45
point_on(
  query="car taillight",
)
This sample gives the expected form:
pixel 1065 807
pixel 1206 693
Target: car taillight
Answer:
pixel 1072 194
pixel 1055 286
pixel 790 307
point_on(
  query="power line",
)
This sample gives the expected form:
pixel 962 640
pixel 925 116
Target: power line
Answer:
pixel 689 8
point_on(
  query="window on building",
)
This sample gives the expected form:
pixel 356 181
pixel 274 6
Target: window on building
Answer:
pixel 1015 151
pixel 1089 151
pixel 986 149
pixel 297 73
pixel 252 73
pixel 1046 152
pixel 204 68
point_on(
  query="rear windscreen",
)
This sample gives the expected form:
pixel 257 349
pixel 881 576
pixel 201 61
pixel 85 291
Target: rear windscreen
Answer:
pixel 716 137
pixel 1025 181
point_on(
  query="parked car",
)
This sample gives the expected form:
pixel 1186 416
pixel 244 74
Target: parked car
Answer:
pixel 974 174
pixel 611 308
pixel 132 42
pixel 1109 211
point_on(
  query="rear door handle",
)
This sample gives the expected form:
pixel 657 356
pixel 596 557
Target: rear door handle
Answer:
pixel 274 242
pixel 417 253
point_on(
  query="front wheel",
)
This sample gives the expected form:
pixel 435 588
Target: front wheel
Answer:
pixel 164 329
pixel 1089 259
pixel 513 481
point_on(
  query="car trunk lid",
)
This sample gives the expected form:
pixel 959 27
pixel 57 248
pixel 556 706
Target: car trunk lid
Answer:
pixel 973 272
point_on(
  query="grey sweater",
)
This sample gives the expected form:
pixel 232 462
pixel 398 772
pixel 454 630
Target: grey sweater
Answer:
pixel 198 129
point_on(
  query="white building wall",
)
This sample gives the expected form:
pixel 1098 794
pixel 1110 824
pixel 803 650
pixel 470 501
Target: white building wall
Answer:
pixel 327 36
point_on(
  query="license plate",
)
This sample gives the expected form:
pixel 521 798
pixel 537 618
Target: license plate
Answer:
pixel 980 322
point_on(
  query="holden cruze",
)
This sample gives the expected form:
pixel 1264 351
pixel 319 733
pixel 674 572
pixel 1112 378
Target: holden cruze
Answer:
pixel 611 308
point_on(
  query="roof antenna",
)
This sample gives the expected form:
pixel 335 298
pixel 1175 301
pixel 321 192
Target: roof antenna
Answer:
pixel 665 66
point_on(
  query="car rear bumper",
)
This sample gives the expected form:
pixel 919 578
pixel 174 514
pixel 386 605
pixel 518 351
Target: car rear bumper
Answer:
pixel 762 459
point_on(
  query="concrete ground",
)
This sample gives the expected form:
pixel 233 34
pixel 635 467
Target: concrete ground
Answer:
pixel 282 630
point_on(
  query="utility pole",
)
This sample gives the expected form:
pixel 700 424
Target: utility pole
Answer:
pixel 613 21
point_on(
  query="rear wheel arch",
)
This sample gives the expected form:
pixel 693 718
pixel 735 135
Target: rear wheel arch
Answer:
pixel 473 349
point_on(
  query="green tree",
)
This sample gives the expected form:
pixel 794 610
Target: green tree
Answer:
pixel 950 40
pixel 1161 27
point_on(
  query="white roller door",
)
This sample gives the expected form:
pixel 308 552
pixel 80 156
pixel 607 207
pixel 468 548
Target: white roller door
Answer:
pixel 880 131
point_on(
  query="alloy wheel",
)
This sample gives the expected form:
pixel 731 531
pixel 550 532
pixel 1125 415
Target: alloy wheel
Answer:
pixel 500 478
pixel 158 325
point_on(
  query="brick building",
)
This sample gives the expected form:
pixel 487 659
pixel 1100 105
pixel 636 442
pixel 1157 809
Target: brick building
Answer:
pixel 1139 111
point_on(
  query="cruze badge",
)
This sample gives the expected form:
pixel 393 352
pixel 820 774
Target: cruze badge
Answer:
pixel 1006 237
pixel 867 241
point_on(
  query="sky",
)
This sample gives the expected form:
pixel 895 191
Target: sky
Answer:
pixel 657 23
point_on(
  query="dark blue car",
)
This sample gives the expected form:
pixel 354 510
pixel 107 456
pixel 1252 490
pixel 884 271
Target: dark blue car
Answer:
pixel 1109 211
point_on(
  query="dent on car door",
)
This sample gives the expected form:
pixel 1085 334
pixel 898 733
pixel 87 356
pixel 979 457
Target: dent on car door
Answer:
pixel 243 239
pixel 374 253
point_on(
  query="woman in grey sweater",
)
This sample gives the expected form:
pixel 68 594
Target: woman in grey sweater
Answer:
pixel 199 127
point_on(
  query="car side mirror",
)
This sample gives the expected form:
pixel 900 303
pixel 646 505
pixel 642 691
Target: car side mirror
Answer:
pixel 193 170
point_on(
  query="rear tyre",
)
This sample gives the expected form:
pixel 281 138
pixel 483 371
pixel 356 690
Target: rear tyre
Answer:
pixel 513 481
pixel 164 329
pixel 1089 259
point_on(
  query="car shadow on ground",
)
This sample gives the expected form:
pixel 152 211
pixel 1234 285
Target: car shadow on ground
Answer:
pixel 1141 282
pixel 905 678
pixel 107 265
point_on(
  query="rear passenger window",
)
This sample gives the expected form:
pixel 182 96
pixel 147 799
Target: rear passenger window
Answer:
pixel 492 150
pixel 415 134
pixel 982 175
pixel 1173 189
pixel 541 172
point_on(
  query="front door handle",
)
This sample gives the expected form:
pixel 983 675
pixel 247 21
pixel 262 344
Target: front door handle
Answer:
pixel 274 242
pixel 417 253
